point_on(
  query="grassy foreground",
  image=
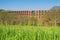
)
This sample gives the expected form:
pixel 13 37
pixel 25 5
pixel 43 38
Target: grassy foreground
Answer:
pixel 29 33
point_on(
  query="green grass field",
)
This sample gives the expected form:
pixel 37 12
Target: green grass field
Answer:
pixel 11 32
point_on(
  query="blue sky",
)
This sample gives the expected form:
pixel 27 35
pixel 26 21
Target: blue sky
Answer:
pixel 28 4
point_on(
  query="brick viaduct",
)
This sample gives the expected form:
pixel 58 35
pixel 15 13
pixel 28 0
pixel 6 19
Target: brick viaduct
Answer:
pixel 29 13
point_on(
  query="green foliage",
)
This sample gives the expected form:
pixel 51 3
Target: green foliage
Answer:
pixel 33 13
pixel 17 32
pixel 32 21
pixel 48 18
pixel 7 18
pixel 51 18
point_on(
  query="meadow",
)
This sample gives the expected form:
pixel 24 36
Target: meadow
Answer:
pixel 11 32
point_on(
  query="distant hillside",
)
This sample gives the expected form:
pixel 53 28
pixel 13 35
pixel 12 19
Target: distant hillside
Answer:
pixel 55 8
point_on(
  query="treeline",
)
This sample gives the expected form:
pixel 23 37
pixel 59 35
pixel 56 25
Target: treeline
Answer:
pixel 10 18
pixel 50 18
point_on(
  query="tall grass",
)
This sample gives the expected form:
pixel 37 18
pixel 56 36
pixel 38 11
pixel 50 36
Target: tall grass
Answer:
pixel 11 32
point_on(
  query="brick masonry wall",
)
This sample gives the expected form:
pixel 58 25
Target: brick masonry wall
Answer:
pixel 28 13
